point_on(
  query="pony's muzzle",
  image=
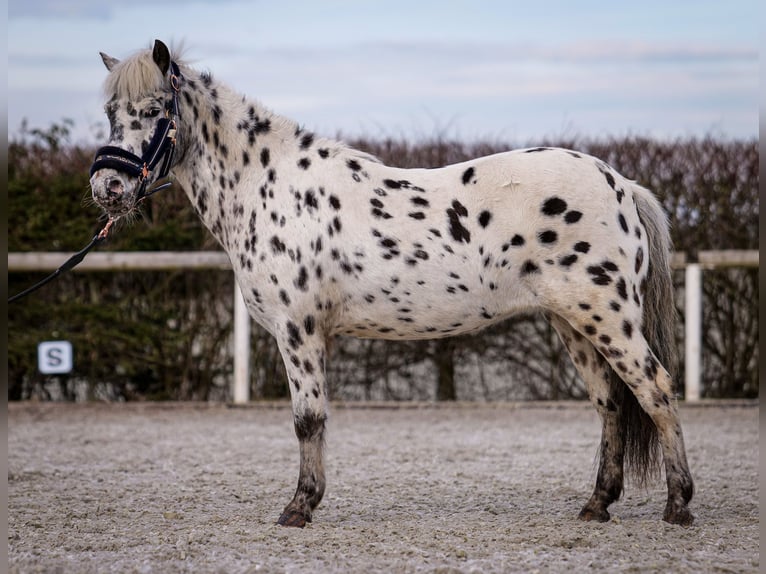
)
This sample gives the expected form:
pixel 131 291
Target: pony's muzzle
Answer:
pixel 112 191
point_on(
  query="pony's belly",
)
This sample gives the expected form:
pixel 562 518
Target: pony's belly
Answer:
pixel 426 321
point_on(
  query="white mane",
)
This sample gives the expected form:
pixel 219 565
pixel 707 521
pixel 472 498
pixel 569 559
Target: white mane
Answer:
pixel 137 76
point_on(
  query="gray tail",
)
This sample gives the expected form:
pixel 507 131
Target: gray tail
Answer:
pixel 642 452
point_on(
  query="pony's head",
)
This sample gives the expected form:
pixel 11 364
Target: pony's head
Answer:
pixel 141 100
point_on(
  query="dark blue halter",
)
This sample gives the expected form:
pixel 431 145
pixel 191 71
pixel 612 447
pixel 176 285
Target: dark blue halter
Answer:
pixel 161 147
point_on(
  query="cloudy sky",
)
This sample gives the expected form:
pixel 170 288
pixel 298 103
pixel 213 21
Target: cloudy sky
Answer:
pixel 507 71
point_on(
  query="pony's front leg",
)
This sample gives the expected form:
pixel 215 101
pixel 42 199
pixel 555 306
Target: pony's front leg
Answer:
pixel 304 356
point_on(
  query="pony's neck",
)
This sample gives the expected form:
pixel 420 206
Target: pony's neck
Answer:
pixel 223 138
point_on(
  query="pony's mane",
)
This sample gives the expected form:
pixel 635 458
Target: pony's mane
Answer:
pixel 137 76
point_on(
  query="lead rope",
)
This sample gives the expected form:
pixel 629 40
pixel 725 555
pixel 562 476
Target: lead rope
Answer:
pixel 100 237
pixel 69 263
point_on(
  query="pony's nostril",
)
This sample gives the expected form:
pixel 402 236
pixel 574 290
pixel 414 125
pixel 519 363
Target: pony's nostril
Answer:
pixel 114 187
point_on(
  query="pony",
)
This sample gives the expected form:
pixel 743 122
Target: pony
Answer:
pixel 325 240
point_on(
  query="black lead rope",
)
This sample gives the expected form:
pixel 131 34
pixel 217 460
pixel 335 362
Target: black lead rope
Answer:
pixel 100 237
pixel 68 265
pixel 162 147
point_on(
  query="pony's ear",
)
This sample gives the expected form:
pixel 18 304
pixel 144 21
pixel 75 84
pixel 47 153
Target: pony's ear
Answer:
pixel 109 62
pixel 161 56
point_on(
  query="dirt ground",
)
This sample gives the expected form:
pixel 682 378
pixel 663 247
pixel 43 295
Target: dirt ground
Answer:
pixel 462 488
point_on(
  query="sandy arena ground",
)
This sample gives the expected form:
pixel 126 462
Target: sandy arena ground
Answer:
pixel 462 488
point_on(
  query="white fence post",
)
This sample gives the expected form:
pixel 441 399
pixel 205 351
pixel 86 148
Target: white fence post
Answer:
pixel 241 384
pixel 693 331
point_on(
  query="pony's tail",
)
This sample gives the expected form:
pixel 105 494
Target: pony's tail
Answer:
pixel 642 452
pixel 659 305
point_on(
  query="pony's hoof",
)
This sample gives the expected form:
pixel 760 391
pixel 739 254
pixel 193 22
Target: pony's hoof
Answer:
pixel 293 518
pixel 681 516
pixel 589 514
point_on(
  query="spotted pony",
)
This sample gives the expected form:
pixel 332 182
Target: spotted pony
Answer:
pixel 326 240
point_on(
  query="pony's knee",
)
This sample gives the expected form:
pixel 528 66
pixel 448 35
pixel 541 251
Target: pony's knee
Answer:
pixel 310 425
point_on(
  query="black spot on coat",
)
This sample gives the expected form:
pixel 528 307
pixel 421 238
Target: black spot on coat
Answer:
pixel 547 236
pixel 639 259
pixel 294 335
pixel 529 267
pixel 572 216
pixel 598 275
pixel 622 289
pixel 458 232
pixel 277 246
pixel 459 208
pixel 568 260
pixel 306 141
pixel 623 223
pixel 310 199
pixel 302 279
pixel 554 206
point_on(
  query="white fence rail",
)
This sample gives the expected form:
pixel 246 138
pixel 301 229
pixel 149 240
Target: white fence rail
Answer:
pixel 167 260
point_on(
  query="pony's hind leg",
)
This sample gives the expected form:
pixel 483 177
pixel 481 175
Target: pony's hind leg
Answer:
pixel 652 385
pixel 628 353
pixel 599 380
pixel 304 356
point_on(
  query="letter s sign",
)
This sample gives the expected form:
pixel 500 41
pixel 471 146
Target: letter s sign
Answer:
pixel 54 357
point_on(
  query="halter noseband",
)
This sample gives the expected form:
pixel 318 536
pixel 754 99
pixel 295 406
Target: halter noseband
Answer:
pixel 161 147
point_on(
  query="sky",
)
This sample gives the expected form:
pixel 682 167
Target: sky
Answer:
pixel 501 71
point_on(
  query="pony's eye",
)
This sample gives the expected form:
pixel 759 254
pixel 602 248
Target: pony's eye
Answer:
pixel 152 112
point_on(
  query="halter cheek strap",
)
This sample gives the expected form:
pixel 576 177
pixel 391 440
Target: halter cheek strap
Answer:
pixel 161 147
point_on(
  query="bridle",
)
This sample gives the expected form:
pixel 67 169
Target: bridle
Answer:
pixel 161 149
